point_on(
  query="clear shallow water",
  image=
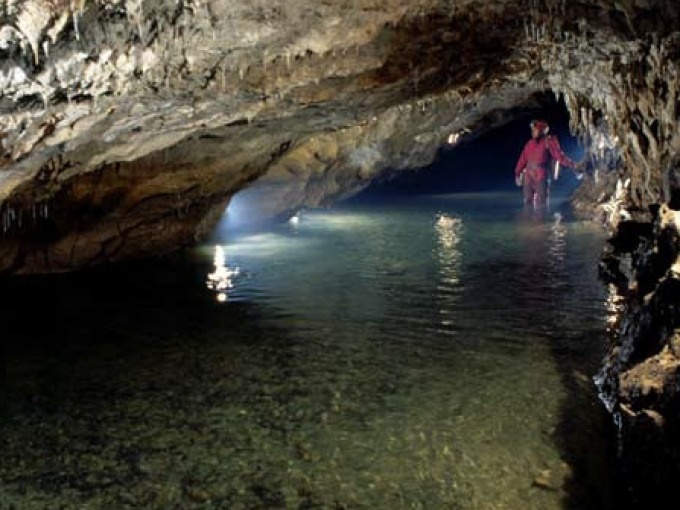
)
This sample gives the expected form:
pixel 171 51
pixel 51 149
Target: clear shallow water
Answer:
pixel 371 356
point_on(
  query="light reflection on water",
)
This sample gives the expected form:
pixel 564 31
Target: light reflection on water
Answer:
pixel 221 280
pixel 449 230
pixel 434 354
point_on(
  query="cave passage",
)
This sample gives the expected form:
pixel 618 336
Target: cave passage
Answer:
pixel 432 350
pixel 485 162
pixel 482 160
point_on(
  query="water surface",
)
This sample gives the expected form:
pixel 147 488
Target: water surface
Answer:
pixel 432 353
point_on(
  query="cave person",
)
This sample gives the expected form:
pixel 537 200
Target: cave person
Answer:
pixel 538 157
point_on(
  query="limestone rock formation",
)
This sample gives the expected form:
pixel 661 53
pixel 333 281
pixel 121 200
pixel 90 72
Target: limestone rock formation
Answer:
pixel 127 125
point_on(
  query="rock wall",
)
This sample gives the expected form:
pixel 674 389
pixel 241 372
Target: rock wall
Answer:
pixel 640 378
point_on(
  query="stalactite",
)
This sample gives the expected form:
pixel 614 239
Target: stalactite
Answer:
pixel 135 13
pixel 638 154
pixel 287 55
pixel 77 7
pixel 653 150
pixel 33 19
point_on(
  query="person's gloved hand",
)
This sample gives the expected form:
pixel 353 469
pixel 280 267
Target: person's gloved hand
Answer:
pixel 580 169
pixel 519 180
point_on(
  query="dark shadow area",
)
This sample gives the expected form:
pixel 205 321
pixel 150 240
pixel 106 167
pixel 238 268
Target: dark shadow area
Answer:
pixel 109 315
pixel 116 385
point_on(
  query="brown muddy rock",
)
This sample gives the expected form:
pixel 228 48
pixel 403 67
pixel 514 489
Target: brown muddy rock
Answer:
pixel 649 399
pixel 640 380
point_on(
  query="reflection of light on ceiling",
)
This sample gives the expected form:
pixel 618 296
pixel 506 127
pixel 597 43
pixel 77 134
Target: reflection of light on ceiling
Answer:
pixel 454 138
pixel 235 210
pixel 220 280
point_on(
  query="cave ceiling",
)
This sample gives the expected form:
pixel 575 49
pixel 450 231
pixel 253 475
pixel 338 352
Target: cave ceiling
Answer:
pixel 127 126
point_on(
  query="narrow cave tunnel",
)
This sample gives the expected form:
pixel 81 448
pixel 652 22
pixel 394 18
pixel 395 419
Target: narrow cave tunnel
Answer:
pixel 479 161
pixel 485 162
pixel 379 320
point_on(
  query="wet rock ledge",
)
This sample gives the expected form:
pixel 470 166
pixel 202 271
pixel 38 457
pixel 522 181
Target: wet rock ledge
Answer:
pixel 640 378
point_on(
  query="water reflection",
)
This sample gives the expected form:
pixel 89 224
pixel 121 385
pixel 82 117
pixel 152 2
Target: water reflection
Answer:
pixel 558 240
pixel 220 280
pixel 448 229
pixel 294 219
pixel 531 213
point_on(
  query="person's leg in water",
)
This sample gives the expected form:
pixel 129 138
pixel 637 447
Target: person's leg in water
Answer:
pixel 541 196
pixel 528 190
pixel 535 188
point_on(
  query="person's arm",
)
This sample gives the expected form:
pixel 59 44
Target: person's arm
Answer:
pixel 558 155
pixel 521 163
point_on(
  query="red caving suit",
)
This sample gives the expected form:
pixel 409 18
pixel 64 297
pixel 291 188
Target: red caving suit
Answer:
pixel 535 161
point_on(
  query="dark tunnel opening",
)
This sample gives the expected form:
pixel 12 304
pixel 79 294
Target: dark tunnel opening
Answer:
pixel 485 162
pixel 481 161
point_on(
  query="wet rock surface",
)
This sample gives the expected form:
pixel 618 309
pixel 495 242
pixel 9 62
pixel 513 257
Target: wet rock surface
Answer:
pixel 640 379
